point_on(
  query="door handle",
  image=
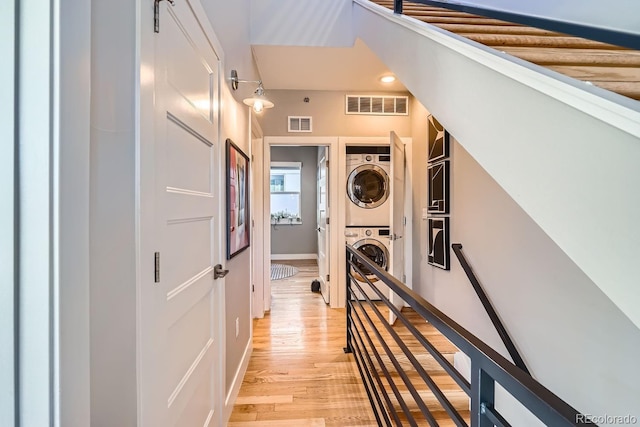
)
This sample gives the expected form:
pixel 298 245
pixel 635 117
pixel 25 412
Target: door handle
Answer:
pixel 219 272
pixel 318 229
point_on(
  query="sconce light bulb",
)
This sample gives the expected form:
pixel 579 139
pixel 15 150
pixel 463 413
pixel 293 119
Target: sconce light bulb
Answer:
pixel 258 106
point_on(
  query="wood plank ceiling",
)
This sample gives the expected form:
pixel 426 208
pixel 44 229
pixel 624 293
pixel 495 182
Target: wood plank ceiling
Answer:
pixel 610 67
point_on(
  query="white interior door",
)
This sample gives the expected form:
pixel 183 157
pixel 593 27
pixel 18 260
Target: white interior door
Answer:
pixel 179 319
pixel 322 223
pixel 397 217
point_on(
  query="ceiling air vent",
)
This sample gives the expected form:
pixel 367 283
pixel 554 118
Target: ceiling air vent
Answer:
pixel 377 105
pixel 299 124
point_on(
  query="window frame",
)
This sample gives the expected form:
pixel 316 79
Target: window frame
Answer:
pixel 290 220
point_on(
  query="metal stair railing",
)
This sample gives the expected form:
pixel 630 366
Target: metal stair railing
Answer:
pixel 395 380
pixel 576 28
pixel 488 307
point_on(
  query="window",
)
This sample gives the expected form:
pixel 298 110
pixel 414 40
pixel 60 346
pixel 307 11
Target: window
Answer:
pixel 285 184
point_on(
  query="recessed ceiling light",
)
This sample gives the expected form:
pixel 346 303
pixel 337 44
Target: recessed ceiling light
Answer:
pixel 388 79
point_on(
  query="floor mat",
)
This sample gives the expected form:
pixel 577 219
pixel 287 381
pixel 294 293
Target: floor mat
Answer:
pixel 282 271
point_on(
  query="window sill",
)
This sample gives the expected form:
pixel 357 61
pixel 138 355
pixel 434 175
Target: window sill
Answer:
pixel 286 221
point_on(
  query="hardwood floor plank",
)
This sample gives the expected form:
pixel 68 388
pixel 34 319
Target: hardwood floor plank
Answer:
pixel 310 422
pixel 255 400
pixel 298 374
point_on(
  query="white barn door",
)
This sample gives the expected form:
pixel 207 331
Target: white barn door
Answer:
pixel 179 316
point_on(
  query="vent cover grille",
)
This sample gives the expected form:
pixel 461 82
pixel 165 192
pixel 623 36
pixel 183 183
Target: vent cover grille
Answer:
pixel 300 124
pixel 377 105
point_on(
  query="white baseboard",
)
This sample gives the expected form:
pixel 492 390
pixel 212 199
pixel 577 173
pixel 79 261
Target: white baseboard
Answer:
pixel 237 382
pixel 278 257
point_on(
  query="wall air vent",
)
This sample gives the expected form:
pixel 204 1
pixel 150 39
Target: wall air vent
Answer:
pixel 299 124
pixel 377 105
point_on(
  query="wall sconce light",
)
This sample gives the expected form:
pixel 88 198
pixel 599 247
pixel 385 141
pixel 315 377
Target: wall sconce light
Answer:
pixel 258 101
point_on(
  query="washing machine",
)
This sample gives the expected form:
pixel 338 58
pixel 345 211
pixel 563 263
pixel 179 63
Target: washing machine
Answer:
pixel 368 186
pixel 373 242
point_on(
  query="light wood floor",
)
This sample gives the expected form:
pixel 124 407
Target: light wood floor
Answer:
pixel 298 374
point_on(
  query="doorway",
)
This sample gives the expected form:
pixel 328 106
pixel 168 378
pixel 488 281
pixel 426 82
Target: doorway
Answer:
pixel 283 236
pixel 299 211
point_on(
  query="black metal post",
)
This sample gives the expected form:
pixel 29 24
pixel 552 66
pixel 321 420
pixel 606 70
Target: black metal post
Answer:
pixel 348 348
pixel 397 6
pixel 491 312
pixel 482 396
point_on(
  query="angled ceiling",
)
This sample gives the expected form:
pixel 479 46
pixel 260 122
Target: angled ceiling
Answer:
pixel 322 68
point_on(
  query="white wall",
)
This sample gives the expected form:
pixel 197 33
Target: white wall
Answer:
pixel 568 332
pixel 237 291
pixel 72 90
pixel 230 21
pixel 113 215
pixel 327 108
pixel 540 136
pixel 7 216
pixel 317 23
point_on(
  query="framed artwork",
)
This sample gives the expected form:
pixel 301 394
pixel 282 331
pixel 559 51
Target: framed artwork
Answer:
pixel 439 242
pixel 438 139
pixel 237 200
pixel 438 198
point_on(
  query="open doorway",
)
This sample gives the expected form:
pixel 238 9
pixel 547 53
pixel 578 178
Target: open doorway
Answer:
pixel 289 242
pixel 299 213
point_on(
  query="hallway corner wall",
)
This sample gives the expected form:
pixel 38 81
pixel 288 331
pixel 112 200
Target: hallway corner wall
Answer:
pixel 113 279
pixel 237 289
pixel 562 323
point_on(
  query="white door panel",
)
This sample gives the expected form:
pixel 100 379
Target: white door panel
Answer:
pixel 184 203
pixel 181 389
pixel 397 217
pixel 189 153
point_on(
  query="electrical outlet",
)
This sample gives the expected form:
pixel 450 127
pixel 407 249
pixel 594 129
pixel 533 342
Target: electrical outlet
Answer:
pixel 237 326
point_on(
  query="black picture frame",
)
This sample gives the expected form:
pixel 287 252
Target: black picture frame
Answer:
pixel 438 140
pixel 238 219
pixel 438 183
pixel 438 254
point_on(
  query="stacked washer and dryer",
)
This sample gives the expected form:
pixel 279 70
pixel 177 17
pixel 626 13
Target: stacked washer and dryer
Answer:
pixel 368 209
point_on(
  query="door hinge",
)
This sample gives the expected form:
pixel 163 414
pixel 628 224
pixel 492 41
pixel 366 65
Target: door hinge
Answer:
pixel 405 220
pixel 404 278
pixel 328 277
pixel 156 275
pixel 156 14
pixel 327 221
pixel 253 288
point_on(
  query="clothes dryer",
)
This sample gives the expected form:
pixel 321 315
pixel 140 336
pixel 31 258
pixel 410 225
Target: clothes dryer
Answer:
pixel 373 242
pixel 368 186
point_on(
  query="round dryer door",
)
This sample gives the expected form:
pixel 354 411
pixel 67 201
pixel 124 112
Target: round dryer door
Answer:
pixel 376 252
pixel 368 186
